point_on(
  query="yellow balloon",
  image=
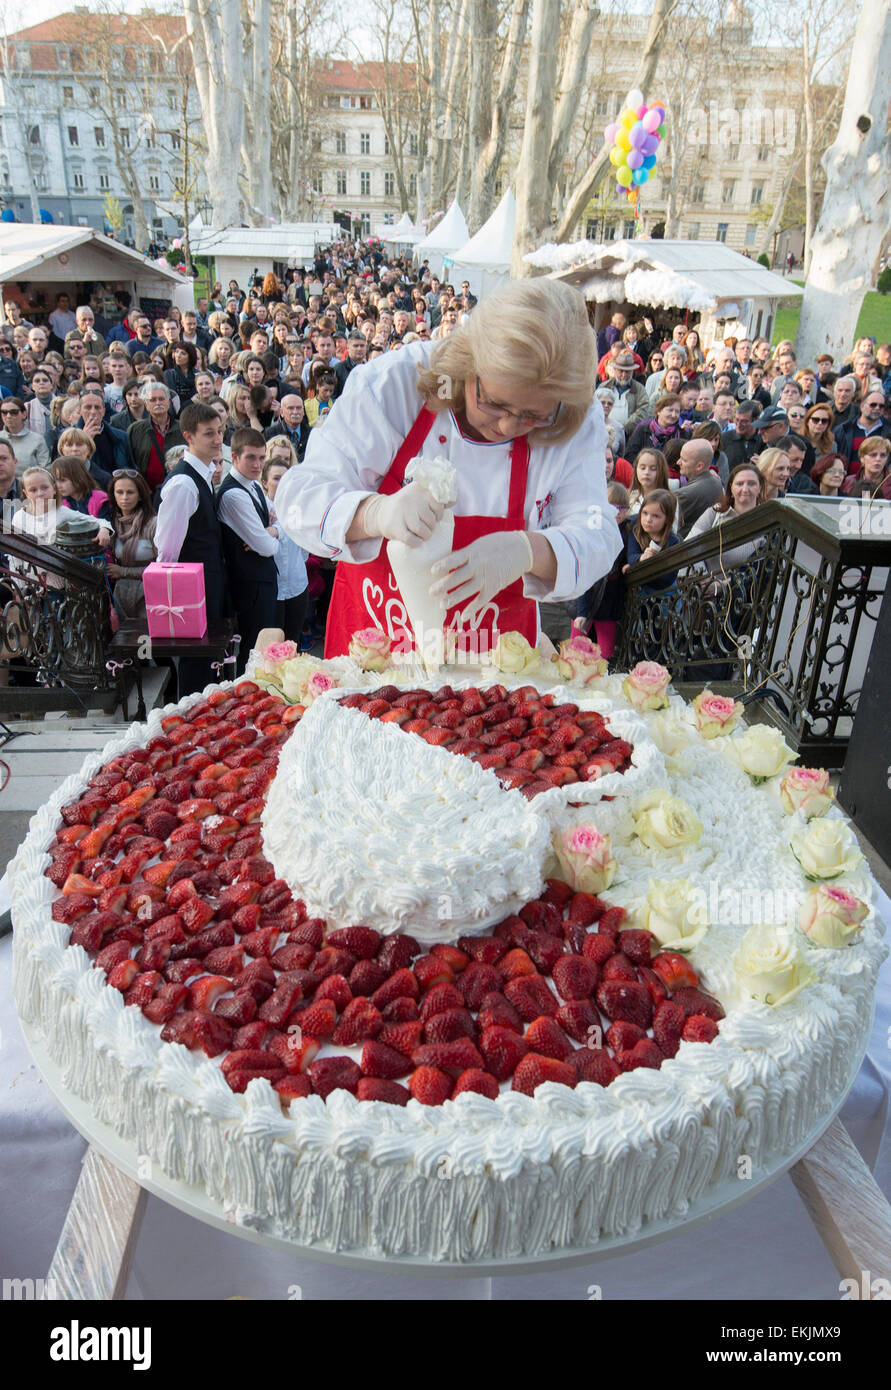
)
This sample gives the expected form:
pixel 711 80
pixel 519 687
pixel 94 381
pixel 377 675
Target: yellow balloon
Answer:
pixel 616 156
pixel 627 118
pixel 624 176
pixel 623 141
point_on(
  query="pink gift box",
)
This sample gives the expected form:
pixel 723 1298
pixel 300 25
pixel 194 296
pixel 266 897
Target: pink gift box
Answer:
pixel 174 600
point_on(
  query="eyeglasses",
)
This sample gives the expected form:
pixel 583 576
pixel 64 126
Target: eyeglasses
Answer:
pixel 12 410
pixel 6 348
pixel 819 420
pixel 125 473
pixel 499 411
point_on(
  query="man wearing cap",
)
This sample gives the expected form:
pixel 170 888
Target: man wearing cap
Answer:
pixel 632 402
pixel 772 424
pixel 357 353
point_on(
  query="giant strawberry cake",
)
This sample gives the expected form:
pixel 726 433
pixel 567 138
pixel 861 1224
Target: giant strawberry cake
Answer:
pixel 464 970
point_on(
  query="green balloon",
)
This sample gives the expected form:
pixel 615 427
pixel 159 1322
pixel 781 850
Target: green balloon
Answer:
pixel 661 131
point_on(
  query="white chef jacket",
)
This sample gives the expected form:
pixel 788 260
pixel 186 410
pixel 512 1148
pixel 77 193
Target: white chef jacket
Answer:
pixel 345 462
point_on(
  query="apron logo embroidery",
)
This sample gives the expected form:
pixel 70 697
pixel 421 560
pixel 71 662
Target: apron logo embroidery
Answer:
pixel 543 507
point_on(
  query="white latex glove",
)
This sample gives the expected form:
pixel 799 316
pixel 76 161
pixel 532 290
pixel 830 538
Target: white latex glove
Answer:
pixel 408 515
pixel 477 573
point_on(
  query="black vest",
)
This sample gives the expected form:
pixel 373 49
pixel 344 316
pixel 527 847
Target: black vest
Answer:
pixel 203 545
pixel 245 566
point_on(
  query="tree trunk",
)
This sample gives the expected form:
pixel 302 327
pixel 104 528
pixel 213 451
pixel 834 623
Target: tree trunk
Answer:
pixel 856 215
pixel 533 190
pixel 446 124
pixel 255 139
pixel 572 78
pixel 808 104
pixel 491 153
pixel 646 68
pixel 214 28
pixel 483 19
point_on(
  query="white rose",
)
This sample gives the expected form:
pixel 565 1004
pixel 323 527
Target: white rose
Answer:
pixel 585 859
pixel 761 752
pixel 673 912
pixel 825 849
pixel 716 714
pixel 370 648
pixel 294 674
pixel 670 734
pixel 646 686
pixel 831 916
pixel 513 655
pixel 770 966
pixel 665 822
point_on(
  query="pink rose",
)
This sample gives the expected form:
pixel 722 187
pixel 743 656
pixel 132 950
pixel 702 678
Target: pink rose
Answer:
pixel 579 658
pixel 831 916
pixel 585 859
pixel 370 648
pixel 806 789
pixel 280 651
pixel 317 684
pixel 715 714
pixel 646 686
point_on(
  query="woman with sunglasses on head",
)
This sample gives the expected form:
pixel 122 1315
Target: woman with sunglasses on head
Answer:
pixel 508 399
pixel 133 518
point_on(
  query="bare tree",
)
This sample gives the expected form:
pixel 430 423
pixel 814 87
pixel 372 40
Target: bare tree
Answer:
pixel 215 32
pixel 489 114
pixel 257 166
pixel 855 218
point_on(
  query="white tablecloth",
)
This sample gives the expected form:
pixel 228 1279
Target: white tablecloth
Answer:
pixel 766 1248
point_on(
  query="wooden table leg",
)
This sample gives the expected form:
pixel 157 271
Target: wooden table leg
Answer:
pixel 849 1210
pixel 140 708
pixel 92 1259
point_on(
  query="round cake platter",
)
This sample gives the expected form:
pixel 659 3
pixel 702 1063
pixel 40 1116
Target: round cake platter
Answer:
pixel 194 1202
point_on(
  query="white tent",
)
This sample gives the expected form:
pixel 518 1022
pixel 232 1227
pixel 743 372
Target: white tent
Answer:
pixel 238 251
pixel 405 233
pixel 484 260
pixel 448 234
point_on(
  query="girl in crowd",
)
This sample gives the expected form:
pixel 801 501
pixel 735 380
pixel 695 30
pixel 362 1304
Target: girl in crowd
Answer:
pixel 37 518
pixel 290 559
pixel 753 388
pixel 655 433
pixel 797 414
pixel 134 406
pixel 818 423
pixel 829 474
pixel 39 409
pixel 322 383
pixel 775 470
pixel 873 478
pixel 650 473
pixel 241 411
pixel 77 488
pixel 617 468
pixel 710 430
pixel 652 532
pixel 27 366
pixel 807 380
pixel 182 359
pixel 219 405
pixel 118 374
pixel 607 398
pixel 219 358
pixel 655 363
pixel 133 518
pixel 205 387
pixel 695 355
pixel 91 370
pixel 743 493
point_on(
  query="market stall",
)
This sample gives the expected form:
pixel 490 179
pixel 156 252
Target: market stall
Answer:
pixel 484 260
pixel 240 252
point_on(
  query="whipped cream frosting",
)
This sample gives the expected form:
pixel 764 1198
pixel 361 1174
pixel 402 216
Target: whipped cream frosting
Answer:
pixel 478 1179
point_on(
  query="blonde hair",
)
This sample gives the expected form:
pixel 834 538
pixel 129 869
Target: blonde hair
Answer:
pixel 275 445
pixel 766 461
pixel 29 473
pixel 75 436
pixel 534 332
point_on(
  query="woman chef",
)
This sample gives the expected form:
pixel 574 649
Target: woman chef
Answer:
pixel 507 399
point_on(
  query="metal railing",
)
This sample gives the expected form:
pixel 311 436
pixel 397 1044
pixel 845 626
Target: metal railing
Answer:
pixel 52 637
pixel 795 620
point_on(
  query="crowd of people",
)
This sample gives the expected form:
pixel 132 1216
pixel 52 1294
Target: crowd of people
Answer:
pixel 174 433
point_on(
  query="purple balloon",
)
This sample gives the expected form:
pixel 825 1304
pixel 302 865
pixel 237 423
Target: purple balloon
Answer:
pixel 634 159
pixel 611 132
pixel 637 135
pixel 661 111
pixel 650 144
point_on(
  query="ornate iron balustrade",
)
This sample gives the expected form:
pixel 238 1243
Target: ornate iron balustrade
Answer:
pixel 795 619
pixel 52 638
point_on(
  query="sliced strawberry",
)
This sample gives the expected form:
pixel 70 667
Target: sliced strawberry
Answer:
pixel 250 1035
pixel 516 963
pixel 430 1086
pixel 455 958
pixel 557 893
pixel 622 1001
pixel 401 1010
pixel 332 961
pixel 622 1036
pixel 329 1074
pixel 398 951
pixel 68 909
pixel 375 1088
pixel 246 1065
pixel 655 984
pixel 432 970
pixel 204 993
pixel 503 1050
pixel 441 997
pixel 194 912
pixel 534 1070
pixel 142 988
pixel 79 884
pixel 225 960
pixel 237 1009
pixel 496 1011
pixel 449 1026
pixel 179 972
pixel 362 942
pixel 401 984
pixel 366 977
pixel 697 1028
pixel 598 948
pixel 384 1062
pixel 487 949
pixel 611 921
pixel 644 1053
pixel 297 956
pixel 542 916
pixel 451 1057
pixel 404 1037
pixel 619 967
pixel 675 970
pixel 477 981
pixel 575 977
pixel 166 1002
pixel 337 989
pixel 545 1036
pixel 319 1019
pixel 360 1021
pixel 577 1018
pixel 696 1001
pixel 481 1083
pixel 531 997
pixel 544 949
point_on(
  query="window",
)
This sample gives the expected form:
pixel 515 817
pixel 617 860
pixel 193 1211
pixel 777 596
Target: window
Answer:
pixel 94 96
pixel 629 228
pixel 78 181
pixel 386 144
pixel 751 233
pixel 722 231
pixel 388 218
pixel 733 153
pixel 365 143
pixel 609 233
pixel 602 106
pixel 99 136
pixel 68 94
pixel 73 137
pixel 412 144
pixel 317 183
pixel 125 137
pixel 316 142
pixel 150 140
pixel 728 188
pixel 365 223
pixel 763 154
pixel 154 183
pixel 171 98
pixel 692 231
pixel 498 187
pixel 697 193
pixel 413 185
pixel 341 182
pixel 757 194
pixel 340 142
pixel 389 184
pixel 333 100
pixel 77 59
pixel 365 183
pixel 120 97
pixel 34 135
pixel 364 103
pixel 40 180
pixel 176 140
pixel 591 228
pixel 104 181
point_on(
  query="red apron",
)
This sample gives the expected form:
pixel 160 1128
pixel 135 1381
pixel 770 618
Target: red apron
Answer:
pixel 367 595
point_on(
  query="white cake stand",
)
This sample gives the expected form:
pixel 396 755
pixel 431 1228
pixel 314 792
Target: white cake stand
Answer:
pixel 93 1255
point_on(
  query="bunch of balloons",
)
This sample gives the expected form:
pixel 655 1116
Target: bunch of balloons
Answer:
pixel 635 139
